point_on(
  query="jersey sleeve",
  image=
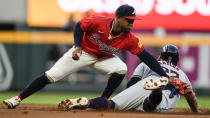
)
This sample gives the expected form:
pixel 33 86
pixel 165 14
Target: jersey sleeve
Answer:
pixel 134 45
pixel 87 24
pixel 185 79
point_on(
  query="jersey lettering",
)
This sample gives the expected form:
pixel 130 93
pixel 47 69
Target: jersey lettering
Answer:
pixel 102 46
pixel 171 72
pixel 169 64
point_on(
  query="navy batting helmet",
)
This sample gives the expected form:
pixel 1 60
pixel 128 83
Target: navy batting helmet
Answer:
pixel 170 51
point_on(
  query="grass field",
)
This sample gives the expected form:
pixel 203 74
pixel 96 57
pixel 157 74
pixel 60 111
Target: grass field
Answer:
pixel 56 97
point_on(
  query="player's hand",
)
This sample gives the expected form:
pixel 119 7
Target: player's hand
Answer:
pixel 76 53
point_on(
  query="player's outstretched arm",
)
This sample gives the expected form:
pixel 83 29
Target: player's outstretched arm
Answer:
pixel 187 92
pixel 192 101
pixel 152 63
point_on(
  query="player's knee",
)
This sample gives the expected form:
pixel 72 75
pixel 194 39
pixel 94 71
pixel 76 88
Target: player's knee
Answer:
pixel 54 76
pixel 122 70
pixel 132 81
pixel 46 76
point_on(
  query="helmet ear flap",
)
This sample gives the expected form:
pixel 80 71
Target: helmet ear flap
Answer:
pixel 164 56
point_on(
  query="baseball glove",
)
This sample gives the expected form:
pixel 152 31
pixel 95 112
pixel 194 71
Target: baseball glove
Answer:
pixel 179 84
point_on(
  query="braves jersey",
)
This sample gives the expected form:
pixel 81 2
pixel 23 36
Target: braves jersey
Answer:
pixel 95 39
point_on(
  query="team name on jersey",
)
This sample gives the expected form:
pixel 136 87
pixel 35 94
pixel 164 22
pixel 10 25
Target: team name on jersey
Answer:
pixel 102 46
pixel 170 64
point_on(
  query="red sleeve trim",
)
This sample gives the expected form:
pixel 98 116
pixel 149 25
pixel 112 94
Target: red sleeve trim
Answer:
pixel 140 51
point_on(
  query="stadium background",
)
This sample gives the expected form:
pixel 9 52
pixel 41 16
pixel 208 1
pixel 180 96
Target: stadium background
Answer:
pixel 35 33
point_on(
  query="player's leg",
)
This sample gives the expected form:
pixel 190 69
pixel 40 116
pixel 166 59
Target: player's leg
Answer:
pixel 63 67
pixel 137 75
pixel 167 104
pixel 114 67
pixel 83 103
pixel 154 99
pixel 132 97
pixel 133 80
pixel 101 103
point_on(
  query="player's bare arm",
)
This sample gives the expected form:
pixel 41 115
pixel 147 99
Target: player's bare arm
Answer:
pixel 187 92
pixel 192 101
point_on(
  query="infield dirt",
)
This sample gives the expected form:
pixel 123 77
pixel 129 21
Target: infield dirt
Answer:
pixel 51 111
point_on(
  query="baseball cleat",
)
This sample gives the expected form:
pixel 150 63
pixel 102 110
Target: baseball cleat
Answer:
pixel 156 84
pixel 12 102
pixel 69 104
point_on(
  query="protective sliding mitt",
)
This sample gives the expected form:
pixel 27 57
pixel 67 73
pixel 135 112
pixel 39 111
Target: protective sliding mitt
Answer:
pixel 179 84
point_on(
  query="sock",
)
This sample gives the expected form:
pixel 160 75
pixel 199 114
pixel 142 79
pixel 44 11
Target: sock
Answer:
pixel 132 81
pixel 101 103
pixel 151 102
pixel 114 81
pixel 33 87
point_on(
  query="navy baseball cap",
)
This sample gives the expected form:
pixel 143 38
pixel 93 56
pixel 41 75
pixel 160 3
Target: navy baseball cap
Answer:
pixel 126 11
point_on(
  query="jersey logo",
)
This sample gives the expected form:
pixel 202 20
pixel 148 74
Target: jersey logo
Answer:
pixel 140 44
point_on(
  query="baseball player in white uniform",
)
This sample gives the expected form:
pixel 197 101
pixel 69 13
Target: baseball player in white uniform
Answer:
pixel 147 91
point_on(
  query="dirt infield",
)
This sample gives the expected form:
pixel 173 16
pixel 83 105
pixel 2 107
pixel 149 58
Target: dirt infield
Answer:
pixel 51 111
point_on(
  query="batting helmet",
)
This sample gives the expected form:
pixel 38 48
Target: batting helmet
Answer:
pixel 170 51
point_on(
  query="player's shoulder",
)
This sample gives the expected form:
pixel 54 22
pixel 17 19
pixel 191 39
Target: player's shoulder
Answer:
pixel 131 35
pixel 96 21
pixel 169 64
pixel 130 38
pixel 100 18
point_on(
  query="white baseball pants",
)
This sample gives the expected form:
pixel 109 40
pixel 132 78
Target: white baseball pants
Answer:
pixel 66 65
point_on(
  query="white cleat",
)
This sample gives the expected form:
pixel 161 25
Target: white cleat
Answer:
pixel 156 84
pixel 12 102
pixel 78 103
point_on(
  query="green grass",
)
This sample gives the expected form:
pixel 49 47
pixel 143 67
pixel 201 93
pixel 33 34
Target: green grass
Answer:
pixel 203 102
pixel 55 98
pixel 47 97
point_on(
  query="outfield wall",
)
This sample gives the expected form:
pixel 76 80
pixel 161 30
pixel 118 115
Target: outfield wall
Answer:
pixel 25 55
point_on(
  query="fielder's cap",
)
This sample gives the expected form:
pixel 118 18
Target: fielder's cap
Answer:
pixel 126 11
